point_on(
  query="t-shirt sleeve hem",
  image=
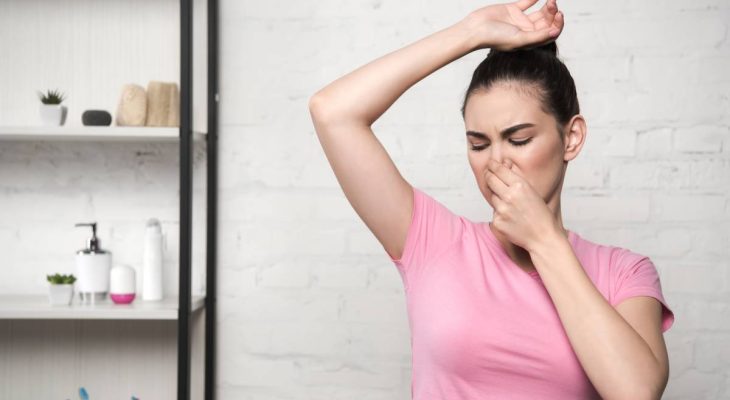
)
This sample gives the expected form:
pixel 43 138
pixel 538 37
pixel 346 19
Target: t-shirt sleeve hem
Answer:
pixel 667 313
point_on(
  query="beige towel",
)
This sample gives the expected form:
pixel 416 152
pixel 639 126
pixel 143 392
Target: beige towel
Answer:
pixel 163 104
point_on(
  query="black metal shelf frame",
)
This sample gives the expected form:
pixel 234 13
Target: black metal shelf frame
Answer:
pixel 186 198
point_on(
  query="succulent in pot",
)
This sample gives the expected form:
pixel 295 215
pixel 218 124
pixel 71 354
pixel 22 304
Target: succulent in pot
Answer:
pixel 60 289
pixel 51 110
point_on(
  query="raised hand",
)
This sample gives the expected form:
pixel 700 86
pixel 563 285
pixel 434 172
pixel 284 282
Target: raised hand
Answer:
pixel 506 26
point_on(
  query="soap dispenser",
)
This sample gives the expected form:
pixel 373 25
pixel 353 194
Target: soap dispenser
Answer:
pixel 93 266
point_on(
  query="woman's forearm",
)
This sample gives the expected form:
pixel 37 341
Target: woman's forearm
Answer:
pixel 364 94
pixel 619 363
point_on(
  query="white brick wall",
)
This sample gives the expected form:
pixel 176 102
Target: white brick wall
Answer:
pixel 317 309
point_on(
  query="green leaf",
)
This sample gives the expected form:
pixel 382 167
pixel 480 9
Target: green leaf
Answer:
pixel 59 279
pixel 51 97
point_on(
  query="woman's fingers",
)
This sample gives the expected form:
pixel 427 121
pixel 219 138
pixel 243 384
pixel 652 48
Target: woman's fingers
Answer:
pixel 516 29
pixel 537 38
pixel 525 4
pixel 545 17
pixel 503 172
pixel 546 11
pixel 542 24
pixel 496 185
pixel 498 203
pixel 559 22
pixel 544 35
pixel 541 13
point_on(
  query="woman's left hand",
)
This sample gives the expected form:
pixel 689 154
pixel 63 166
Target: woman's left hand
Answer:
pixel 519 211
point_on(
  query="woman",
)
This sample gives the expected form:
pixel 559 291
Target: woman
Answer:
pixel 520 307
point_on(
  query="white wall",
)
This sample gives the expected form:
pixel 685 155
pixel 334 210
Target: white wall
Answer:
pixel 311 306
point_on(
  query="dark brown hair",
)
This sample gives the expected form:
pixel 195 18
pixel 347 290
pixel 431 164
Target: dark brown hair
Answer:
pixel 540 69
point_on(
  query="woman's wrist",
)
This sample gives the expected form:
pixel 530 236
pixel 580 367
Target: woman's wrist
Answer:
pixel 473 30
pixel 549 240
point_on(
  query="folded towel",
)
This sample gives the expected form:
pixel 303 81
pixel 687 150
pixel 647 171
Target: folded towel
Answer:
pixel 163 104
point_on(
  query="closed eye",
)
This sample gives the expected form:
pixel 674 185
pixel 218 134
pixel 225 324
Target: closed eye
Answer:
pixel 514 143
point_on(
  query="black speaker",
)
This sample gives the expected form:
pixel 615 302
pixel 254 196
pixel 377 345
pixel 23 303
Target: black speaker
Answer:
pixel 96 118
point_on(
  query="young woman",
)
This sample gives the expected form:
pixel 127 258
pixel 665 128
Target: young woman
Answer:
pixel 518 307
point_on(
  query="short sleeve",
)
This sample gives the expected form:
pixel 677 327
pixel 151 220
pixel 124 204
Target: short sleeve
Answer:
pixel 433 229
pixel 636 275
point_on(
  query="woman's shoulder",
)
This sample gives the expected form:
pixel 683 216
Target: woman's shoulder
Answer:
pixel 615 255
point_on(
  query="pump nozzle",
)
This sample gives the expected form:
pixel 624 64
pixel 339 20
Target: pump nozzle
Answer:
pixel 93 242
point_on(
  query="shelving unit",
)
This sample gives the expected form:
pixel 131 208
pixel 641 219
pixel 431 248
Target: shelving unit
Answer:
pixel 185 308
pixel 95 133
pixel 38 307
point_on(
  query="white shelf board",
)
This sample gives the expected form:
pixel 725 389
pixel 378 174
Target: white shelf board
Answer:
pixel 38 307
pixel 95 133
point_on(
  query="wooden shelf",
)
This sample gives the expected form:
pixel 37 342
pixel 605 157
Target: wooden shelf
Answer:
pixel 38 307
pixel 94 133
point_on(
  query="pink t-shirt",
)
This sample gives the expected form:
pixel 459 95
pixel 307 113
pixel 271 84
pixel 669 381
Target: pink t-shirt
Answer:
pixel 481 327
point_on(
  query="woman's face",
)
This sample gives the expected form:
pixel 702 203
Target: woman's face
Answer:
pixel 533 144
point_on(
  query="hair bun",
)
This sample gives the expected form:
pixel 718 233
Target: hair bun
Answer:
pixel 550 47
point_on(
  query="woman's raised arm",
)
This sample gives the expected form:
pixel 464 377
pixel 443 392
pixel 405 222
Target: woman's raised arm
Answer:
pixel 344 110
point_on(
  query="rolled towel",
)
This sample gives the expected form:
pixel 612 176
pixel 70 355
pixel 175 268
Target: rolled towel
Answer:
pixel 132 109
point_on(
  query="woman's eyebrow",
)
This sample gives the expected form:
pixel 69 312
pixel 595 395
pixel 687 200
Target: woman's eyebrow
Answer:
pixel 505 132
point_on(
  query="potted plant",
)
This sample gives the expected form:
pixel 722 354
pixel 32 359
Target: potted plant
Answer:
pixel 60 289
pixel 52 112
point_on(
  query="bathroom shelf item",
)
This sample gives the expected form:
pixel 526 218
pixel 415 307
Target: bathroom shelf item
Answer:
pixel 185 310
pixel 95 133
pixel 38 307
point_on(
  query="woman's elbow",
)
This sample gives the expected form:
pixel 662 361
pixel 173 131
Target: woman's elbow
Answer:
pixel 320 108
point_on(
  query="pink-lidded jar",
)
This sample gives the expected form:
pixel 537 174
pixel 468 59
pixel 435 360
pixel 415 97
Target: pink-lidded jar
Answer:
pixel 122 284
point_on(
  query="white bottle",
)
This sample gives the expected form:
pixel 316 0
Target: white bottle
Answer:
pixel 152 262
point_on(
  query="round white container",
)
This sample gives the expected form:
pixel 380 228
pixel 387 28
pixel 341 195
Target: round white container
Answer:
pixel 122 290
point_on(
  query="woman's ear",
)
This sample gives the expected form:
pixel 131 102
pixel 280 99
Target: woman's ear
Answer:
pixel 575 135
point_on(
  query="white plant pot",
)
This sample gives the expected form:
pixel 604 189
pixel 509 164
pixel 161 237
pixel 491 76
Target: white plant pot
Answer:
pixel 60 295
pixel 53 114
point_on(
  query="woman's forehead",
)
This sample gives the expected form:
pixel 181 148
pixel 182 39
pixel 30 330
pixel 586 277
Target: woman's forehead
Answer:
pixel 498 108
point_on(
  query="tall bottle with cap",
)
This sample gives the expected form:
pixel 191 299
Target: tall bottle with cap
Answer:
pixel 93 265
pixel 152 262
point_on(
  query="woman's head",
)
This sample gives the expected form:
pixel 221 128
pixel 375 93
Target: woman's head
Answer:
pixel 531 92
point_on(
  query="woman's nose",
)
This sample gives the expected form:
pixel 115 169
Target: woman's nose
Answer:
pixel 500 158
pixel 496 154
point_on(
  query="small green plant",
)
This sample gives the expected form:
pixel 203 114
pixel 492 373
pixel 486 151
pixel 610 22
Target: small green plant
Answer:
pixel 51 97
pixel 59 279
